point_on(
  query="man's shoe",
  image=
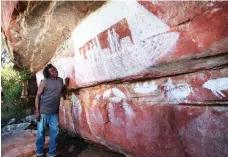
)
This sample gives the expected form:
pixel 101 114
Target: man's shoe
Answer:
pixel 39 155
pixel 52 155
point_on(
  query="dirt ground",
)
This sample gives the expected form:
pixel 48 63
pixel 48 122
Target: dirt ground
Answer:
pixel 22 144
pixel 71 146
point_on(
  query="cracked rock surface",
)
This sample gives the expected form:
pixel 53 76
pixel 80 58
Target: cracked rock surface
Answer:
pixel 36 28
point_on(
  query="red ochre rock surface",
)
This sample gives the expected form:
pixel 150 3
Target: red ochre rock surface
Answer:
pixel 183 115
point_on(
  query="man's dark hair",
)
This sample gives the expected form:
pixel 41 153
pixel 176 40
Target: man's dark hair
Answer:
pixel 46 72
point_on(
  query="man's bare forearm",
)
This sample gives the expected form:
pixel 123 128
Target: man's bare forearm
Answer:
pixel 37 104
pixel 37 100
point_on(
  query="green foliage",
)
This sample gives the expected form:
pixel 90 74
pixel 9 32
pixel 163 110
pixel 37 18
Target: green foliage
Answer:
pixel 20 109
pixel 11 84
pixel 12 81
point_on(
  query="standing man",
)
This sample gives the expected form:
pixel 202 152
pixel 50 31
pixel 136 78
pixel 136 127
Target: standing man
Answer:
pixel 47 109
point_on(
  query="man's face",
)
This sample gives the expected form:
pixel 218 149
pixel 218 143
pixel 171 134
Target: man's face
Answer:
pixel 52 72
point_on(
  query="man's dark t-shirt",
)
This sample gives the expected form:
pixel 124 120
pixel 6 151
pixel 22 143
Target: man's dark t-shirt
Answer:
pixel 50 99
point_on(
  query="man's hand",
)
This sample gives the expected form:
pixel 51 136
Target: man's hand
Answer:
pixel 37 116
pixel 65 88
pixel 67 81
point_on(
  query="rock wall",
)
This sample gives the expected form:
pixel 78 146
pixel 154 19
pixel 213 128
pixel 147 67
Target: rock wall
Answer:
pixel 153 78
pixel 7 8
pixel 184 115
pixel 34 29
pixel 139 44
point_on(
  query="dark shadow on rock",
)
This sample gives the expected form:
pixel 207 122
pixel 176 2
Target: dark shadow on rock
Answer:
pixel 69 146
pixel 73 146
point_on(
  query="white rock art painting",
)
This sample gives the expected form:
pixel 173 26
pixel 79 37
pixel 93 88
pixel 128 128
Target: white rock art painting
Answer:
pixel 114 41
pixel 115 96
pixel 64 115
pixel 146 87
pixel 96 99
pixel 177 93
pixel 221 108
pixel 127 53
pixel 77 108
pixel 126 61
pixel 217 86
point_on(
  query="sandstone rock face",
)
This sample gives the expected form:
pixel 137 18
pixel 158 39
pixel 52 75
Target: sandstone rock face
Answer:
pixel 174 116
pixel 144 43
pixel 6 13
pixel 159 78
pixel 36 28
